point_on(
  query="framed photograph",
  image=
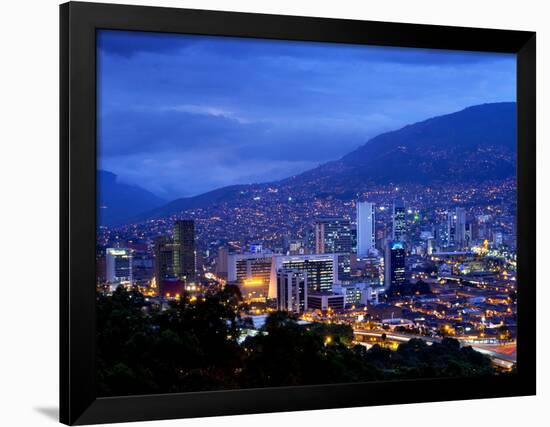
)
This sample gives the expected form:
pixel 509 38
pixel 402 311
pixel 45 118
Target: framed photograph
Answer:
pixel 268 213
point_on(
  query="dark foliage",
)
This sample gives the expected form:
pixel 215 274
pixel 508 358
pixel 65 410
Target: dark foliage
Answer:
pixel 193 346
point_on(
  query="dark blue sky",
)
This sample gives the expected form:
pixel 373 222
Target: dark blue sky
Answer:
pixel 181 115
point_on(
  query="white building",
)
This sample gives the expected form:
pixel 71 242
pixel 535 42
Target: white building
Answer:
pixel 321 269
pixel 252 272
pixel 292 290
pixel 366 233
pixel 118 263
pixel 358 293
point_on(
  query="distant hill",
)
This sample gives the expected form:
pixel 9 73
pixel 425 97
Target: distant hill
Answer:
pixel 472 145
pixel 475 144
pixel 118 202
pixel 214 197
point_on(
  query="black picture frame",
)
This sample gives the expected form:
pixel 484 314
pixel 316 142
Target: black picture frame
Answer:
pixel 78 25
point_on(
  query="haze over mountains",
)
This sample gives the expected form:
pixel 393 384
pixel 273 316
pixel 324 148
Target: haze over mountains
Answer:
pixel 475 144
pixel 118 201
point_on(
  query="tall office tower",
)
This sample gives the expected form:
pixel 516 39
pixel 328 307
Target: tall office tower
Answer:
pixel 461 236
pixel 118 266
pixel 332 235
pixel 442 234
pixel 100 266
pixel 399 222
pixel 292 290
pixel 252 273
pixel 366 231
pixel 456 228
pixel 164 259
pixel 469 234
pixel 371 267
pixel 142 267
pixel 344 267
pixel 394 264
pixel 221 262
pixel 321 269
pixel 184 255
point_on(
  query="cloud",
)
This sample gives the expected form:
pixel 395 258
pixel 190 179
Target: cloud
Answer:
pixel 129 43
pixel 185 114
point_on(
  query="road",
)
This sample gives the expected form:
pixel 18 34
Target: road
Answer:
pixel 503 355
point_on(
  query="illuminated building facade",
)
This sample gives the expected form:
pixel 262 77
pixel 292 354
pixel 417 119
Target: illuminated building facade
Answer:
pixel 184 253
pixel 321 269
pixel 118 266
pixel 366 231
pixel 325 300
pixel 292 290
pixel 221 262
pixel 252 272
pixel 394 264
pixel 457 223
pixel 332 235
pixel 399 222
pixel 357 294
pixel 164 259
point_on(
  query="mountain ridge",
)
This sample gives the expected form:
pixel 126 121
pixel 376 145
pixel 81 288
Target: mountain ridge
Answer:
pixel 118 201
pixel 473 144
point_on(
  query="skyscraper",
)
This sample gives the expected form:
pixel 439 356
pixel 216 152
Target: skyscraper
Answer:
pixel 366 232
pixel 399 222
pixel 456 228
pixel 461 237
pixel 252 273
pixel 221 261
pixel 322 269
pixel 118 266
pixel 164 259
pixel 332 235
pixel 184 254
pixel 292 290
pixel 394 264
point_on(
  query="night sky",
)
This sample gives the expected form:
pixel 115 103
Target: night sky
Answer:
pixel 181 115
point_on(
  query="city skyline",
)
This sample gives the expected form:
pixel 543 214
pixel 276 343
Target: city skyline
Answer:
pixel 392 260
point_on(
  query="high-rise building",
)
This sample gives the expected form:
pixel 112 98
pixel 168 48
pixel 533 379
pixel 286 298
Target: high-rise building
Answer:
pixel 184 254
pixel 118 266
pixel 344 266
pixel 366 231
pixel 252 273
pixel 461 237
pixel 164 259
pixel 221 261
pixel 292 290
pixel 442 234
pixel 332 235
pixel 142 268
pixel 394 264
pixel 456 228
pixel 322 270
pixel 369 268
pixel 399 222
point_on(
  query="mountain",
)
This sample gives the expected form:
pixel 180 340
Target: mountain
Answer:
pixel 473 145
pixel 118 202
pixel 214 197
